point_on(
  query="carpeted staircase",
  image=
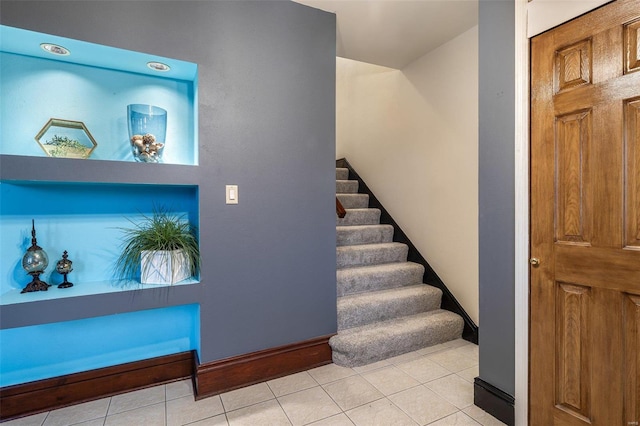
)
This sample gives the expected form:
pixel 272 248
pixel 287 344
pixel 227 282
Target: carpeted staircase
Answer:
pixel 384 309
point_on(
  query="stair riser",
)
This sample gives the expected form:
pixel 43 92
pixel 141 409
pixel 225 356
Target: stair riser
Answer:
pixel 342 173
pixel 350 256
pixel 354 201
pixel 359 280
pixel 346 186
pixel 348 236
pixel 352 313
pixel 351 350
pixel 360 217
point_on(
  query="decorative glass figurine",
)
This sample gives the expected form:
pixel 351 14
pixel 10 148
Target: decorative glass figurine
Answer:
pixel 35 261
pixel 64 267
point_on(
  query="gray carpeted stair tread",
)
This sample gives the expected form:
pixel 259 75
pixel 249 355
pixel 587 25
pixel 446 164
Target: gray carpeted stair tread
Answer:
pixel 342 173
pixel 363 234
pixel 366 308
pixel 354 201
pixel 384 310
pixel 370 254
pixel 346 186
pixel 374 342
pixel 360 217
pixel 378 277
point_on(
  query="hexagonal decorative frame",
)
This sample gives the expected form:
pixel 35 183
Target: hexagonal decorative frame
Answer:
pixel 66 139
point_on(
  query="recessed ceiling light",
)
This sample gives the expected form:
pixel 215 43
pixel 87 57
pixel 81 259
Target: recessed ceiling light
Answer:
pixel 55 49
pixel 158 66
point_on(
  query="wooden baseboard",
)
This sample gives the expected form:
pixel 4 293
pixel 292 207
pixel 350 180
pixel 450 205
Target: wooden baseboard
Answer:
pixel 48 394
pixel 494 401
pixel 232 373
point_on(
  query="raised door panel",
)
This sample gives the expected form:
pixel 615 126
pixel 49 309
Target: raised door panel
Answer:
pixel 573 135
pixel 632 46
pixel 632 174
pixel 573 361
pixel 573 66
pixel 632 359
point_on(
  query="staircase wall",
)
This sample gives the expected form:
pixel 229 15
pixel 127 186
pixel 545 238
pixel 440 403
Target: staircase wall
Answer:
pixel 412 135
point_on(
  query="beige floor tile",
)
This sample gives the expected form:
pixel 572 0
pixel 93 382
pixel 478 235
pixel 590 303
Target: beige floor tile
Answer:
pixel 245 397
pixel 96 422
pixel 78 413
pixel 380 413
pixel 35 420
pixel 390 380
pixel 179 389
pixel 409 356
pixel 308 406
pixel 423 369
pixel 456 419
pixel 265 413
pixel 469 349
pixel 352 392
pixel 338 420
pixel 422 404
pixel 454 389
pixel 219 420
pixel 454 360
pixel 372 366
pixel 150 415
pixel 433 349
pixel 330 373
pixel 482 417
pixel 292 383
pixel 136 399
pixel 185 410
pixel 469 374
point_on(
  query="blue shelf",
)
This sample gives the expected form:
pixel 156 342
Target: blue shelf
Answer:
pixel 93 85
pixel 14 296
pixel 22 168
pixel 83 219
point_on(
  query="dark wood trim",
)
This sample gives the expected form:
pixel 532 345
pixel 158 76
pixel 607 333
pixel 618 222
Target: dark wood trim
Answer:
pixel 449 302
pixel 340 211
pixel 494 401
pixel 243 370
pixel 48 394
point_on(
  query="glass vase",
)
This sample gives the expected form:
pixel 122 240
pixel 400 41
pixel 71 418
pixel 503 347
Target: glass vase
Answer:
pixel 147 132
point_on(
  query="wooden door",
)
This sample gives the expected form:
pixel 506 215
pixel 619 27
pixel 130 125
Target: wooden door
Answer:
pixel 585 220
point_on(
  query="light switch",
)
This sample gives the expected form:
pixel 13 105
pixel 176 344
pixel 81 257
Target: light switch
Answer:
pixel 232 194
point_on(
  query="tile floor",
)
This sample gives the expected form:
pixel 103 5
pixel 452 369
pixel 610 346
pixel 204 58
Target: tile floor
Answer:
pixel 432 386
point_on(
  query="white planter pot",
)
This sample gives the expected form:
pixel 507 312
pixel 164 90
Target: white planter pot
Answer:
pixel 164 267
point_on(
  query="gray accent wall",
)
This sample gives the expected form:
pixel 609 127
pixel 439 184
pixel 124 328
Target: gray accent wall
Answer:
pixel 496 192
pixel 267 124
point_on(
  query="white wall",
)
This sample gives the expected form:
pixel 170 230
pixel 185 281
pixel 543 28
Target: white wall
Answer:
pixel 546 14
pixel 412 135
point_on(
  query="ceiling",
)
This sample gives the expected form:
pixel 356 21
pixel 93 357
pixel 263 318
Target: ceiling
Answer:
pixel 394 33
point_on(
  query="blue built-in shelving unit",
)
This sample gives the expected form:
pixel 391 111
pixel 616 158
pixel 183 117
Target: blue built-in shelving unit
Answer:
pixel 80 204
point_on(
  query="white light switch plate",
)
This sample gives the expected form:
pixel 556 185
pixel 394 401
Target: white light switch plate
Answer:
pixel 232 194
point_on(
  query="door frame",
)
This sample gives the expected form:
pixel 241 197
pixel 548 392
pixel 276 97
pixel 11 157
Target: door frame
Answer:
pixel 521 255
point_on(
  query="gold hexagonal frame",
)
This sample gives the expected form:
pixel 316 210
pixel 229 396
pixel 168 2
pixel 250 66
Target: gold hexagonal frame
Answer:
pixel 66 139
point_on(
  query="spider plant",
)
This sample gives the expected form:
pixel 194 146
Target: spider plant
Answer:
pixel 161 231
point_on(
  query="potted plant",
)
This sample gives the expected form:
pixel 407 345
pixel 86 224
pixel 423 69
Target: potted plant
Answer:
pixel 162 246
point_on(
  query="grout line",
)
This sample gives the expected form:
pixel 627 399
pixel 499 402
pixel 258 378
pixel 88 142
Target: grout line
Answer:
pixel 283 410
